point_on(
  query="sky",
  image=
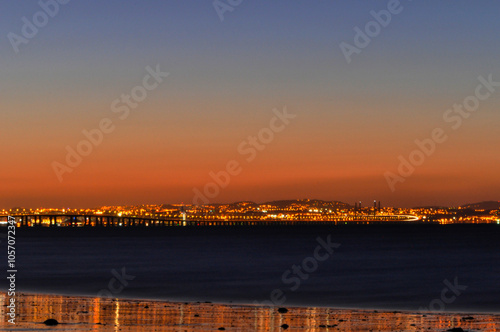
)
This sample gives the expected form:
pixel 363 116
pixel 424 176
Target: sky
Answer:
pixel 251 100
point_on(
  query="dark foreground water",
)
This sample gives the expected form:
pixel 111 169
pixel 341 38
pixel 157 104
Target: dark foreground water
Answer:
pixel 452 267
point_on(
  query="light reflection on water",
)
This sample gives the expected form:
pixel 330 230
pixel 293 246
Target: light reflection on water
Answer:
pixel 91 314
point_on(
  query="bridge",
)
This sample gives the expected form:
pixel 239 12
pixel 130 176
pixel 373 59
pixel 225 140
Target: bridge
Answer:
pixel 95 220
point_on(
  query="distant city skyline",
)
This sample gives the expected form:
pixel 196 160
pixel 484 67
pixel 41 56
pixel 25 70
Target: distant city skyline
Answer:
pixel 283 212
pixel 124 103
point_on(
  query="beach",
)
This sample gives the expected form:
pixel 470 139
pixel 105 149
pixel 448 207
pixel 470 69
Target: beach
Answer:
pixel 80 313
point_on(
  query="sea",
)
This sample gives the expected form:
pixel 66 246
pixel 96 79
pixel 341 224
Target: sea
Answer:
pixel 452 268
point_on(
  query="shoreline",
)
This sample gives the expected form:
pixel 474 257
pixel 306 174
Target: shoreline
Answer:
pixel 87 313
pixel 246 304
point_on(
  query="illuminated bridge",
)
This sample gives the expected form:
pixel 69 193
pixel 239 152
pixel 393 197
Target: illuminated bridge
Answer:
pixel 93 220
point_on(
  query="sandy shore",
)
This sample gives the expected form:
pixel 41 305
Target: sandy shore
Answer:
pixel 95 314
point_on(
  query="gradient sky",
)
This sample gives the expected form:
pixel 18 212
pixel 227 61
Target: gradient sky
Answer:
pixel 353 119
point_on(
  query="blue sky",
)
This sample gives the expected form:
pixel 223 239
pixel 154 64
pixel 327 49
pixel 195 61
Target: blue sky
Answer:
pixel 225 77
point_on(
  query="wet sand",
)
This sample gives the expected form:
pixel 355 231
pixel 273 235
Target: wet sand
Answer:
pixel 75 313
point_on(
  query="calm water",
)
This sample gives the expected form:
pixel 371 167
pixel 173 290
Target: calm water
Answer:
pixel 386 267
